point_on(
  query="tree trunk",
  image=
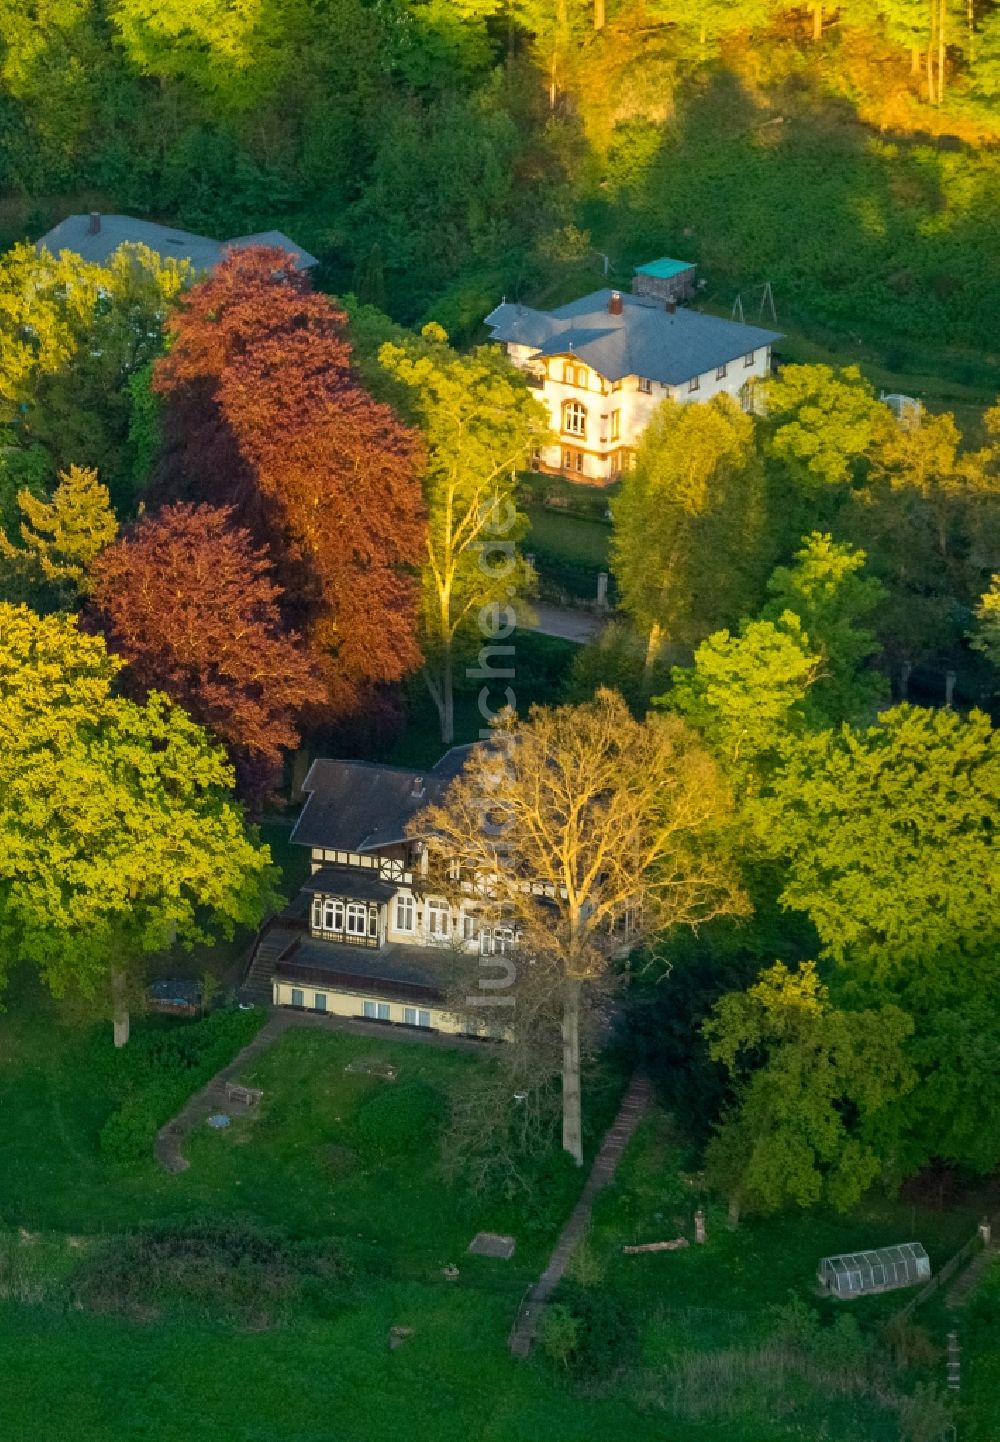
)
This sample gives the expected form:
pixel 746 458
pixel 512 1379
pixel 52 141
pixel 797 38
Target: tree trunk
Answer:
pixel 572 1130
pixel 447 699
pixel 930 75
pixel 733 1219
pixel 119 1000
pixel 653 645
pixel 442 692
pixel 817 22
pixel 941 50
pixel 598 14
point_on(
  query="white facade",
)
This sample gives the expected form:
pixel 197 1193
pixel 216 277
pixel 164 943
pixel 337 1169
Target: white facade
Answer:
pixel 599 422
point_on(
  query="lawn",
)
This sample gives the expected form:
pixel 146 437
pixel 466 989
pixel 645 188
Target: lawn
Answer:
pixel 311 1163
pixel 709 1310
pixel 304 1163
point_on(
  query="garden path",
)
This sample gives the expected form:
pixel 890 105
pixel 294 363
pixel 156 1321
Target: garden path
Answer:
pixel 634 1105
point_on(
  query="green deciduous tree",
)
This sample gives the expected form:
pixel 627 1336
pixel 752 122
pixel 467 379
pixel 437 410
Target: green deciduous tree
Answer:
pixel 835 602
pixel 811 1082
pixel 63 537
pixel 821 422
pixel 688 546
pixel 746 693
pixel 71 335
pixel 481 424
pixel 117 827
pixel 888 836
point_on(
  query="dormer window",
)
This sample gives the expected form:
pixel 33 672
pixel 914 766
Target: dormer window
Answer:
pixel 645 385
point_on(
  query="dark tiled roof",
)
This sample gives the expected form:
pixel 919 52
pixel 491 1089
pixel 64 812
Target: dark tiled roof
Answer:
pixel 402 973
pixel 645 340
pixel 73 234
pixel 358 806
pixel 350 882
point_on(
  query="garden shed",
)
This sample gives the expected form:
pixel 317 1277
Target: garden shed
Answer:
pixel 854 1273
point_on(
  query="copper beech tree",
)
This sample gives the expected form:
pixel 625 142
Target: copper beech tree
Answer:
pixel 589 832
pixel 189 602
pixel 264 412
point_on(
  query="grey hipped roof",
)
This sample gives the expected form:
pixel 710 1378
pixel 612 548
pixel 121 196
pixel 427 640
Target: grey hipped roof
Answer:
pixel 645 340
pixel 74 234
pixel 358 806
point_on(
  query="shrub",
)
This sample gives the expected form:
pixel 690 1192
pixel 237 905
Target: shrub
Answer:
pixel 160 1068
pixel 400 1116
pixel 558 1333
pixel 229 1267
pixel 607 1337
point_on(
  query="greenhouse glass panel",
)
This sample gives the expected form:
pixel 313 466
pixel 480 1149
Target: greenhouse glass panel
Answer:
pixel 853 1274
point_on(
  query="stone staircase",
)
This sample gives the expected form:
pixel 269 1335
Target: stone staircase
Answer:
pixel 616 1139
pixel 960 1293
pixel 268 945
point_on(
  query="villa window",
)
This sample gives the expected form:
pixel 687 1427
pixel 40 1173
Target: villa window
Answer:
pixel 375 1010
pixel 616 425
pixel 574 375
pixel 416 1016
pixel 749 358
pixel 437 918
pixel 298 997
pixel 357 918
pixel 404 912
pixel 319 1001
pixel 470 925
pixel 575 418
pixel 328 914
pixel 646 385
pixel 720 372
pixel 694 384
pixel 572 460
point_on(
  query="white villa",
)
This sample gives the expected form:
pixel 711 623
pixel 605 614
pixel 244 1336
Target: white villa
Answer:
pixel 604 362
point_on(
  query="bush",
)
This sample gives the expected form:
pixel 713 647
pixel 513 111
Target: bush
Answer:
pixel 160 1068
pixel 559 1334
pixel 607 1337
pixel 397 1117
pixel 217 1266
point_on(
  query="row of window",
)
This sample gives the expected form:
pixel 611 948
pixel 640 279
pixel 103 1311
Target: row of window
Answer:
pixel 437 923
pixel 578 375
pixel 353 918
pixel 370 1010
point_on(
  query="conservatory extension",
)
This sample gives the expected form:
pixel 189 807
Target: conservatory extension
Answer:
pixel 856 1273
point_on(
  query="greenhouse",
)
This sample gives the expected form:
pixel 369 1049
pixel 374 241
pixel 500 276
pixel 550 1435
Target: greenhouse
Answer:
pixel 854 1273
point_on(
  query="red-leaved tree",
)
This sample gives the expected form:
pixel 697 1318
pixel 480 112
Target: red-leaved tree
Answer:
pixel 264 412
pixel 189 602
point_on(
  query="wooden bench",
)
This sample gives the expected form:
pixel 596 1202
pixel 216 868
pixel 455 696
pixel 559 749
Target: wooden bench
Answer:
pixel 247 1096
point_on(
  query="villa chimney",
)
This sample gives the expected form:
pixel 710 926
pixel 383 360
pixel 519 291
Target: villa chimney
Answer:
pixel 94 227
pixel 670 306
pixel 615 303
pixel 417 790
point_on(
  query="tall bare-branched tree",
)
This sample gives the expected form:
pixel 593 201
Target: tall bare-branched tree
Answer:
pixel 588 831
